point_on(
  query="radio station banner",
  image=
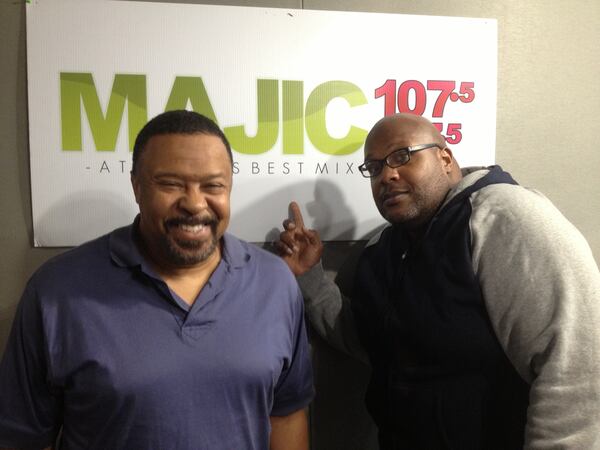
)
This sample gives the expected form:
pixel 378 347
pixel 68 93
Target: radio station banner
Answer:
pixel 296 92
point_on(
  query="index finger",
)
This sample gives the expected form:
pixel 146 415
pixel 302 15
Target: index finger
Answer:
pixel 296 215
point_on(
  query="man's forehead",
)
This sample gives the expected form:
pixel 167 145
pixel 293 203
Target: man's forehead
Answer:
pixel 170 149
pixel 193 142
pixel 396 135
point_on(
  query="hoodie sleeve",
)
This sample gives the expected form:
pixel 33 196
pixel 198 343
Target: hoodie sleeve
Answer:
pixel 330 312
pixel 541 287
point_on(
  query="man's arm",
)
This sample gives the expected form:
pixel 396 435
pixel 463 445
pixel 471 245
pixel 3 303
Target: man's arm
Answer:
pixel 330 312
pixel 327 309
pixel 541 287
pixel 29 411
pixel 289 432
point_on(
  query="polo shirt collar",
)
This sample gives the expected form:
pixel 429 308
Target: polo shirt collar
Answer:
pixel 121 244
pixel 234 253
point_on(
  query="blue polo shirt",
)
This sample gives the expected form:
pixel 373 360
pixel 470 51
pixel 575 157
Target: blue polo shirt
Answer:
pixel 103 348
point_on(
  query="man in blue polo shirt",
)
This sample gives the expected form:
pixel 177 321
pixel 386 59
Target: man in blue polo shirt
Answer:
pixel 166 334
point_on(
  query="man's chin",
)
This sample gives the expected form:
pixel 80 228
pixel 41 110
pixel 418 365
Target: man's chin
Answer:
pixel 402 218
pixel 191 252
pixel 395 215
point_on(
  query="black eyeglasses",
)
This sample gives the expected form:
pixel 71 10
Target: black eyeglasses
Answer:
pixel 373 167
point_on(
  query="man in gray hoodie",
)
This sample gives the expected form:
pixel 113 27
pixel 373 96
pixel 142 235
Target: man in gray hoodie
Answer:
pixel 477 307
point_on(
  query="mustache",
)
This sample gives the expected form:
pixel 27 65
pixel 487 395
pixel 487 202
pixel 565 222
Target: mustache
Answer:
pixel 209 220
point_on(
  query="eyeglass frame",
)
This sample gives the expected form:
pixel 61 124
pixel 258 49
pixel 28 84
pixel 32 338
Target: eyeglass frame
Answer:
pixel 381 162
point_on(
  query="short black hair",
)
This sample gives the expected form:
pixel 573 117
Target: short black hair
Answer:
pixel 176 122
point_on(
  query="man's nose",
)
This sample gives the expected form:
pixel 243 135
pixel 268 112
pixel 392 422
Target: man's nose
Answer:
pixel 193 201
pixel 388 174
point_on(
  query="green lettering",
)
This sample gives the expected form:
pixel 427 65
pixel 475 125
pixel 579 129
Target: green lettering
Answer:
pixel 268 122
pixel 77 88
pixel 316 128
pixel 190 89
pixel 293 117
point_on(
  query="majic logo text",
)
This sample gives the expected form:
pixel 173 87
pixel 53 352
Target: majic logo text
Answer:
pixel 297 117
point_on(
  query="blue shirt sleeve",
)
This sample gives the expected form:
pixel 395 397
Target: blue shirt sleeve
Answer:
pixel 294 389
pixel 29 410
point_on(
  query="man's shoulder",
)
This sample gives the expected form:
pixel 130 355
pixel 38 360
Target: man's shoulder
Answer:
pixel 76 261
pixel 242 253
pixel 262 275
pixel 509 199
pixel 515 213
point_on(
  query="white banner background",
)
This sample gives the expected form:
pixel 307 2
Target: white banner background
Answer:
pixel 79 195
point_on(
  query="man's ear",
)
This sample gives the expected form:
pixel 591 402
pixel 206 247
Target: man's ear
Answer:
pixel 447 159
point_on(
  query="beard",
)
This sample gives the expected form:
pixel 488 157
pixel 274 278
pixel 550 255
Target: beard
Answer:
pixel 412 217
pixel 424 204
pixel 182 252
pixel 415 215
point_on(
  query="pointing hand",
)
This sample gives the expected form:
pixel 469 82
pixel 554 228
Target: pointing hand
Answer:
pixel 300 248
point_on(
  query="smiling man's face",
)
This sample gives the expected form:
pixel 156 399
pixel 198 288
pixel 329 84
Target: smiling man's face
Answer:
pixel 182 187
